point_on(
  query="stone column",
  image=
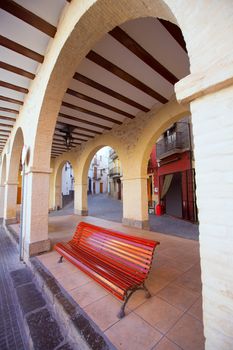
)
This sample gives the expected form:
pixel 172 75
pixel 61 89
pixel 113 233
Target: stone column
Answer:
pixel 135 202
pixel 80 199
pixel 51 191
pixel 58 196
pixel 211 100
pixel 2 200
pixel 10 203
pixel 35 207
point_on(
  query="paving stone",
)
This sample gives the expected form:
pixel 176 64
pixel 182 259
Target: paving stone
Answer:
pixel 94 339
pixel 12 331
pixel 65 347
pixel 69 306
pixel 21 276
pixel 105 207
pixel 30 298
pixel 44 330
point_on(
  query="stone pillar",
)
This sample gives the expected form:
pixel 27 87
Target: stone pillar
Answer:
pixel 35 207
pixel 51 191
pixel 211 101
pixel 58 197
pixel 80 199
pixel 135 202
pixel 10 203
pixel 2 200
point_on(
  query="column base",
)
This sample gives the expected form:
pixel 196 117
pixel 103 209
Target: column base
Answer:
pixel 136 223
pixel 36 248
pixel 81 212
pixel 10 221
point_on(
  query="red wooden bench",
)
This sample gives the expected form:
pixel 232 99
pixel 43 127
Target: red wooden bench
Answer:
pixel 119 262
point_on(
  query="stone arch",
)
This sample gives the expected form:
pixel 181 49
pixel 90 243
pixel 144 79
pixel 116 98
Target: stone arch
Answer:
pixel 85 31
pixel 3 170
pixel 168 115
pixel 84 161
pixel 93 147
pixel 2 185
pixel 57 200
pixel 12 177
pixel 14 158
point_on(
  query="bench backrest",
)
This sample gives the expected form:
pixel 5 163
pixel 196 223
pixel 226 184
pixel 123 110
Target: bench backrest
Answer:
pixel 129 254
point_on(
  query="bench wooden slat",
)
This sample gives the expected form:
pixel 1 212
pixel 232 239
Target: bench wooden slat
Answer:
pixel 119 262
pixel 118 248
pixel 95 265
pixel 133 277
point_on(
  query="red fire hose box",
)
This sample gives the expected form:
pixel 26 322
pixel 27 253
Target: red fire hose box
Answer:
pixel 159 209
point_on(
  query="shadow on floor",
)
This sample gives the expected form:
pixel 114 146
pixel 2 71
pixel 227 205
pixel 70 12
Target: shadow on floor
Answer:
pixel 104 207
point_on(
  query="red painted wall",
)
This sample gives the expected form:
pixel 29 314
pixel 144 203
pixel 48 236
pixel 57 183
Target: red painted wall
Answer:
pixel 172 164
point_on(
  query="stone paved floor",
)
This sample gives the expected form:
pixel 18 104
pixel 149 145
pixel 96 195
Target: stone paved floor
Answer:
pixel 170 320
pixel 107 208
pixel 12 333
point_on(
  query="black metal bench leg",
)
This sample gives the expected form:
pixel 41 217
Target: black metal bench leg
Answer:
pixel 60 260
pixel 147 293
pixel 121 314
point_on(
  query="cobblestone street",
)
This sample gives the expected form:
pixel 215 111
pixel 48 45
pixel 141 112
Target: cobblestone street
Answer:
pixel 26 318
pixel 12 331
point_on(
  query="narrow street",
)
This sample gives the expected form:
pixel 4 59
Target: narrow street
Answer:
pixel 12 331
pixel 104 207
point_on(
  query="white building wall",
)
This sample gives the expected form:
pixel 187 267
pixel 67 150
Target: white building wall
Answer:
pixel 67 179
pixel 100 160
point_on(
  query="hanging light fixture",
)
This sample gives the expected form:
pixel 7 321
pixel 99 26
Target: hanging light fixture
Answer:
pixel 68 139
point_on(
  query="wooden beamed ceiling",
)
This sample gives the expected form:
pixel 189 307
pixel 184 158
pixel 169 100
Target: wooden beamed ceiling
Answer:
pixel 104 91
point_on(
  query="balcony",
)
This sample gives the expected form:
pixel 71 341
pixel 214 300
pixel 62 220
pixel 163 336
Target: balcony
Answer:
pixel 95 162
pixel 112 154
pixel 115 172
pixel 177 141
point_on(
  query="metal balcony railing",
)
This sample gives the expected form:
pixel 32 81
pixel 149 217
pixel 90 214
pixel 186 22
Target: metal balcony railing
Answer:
pixel 112 154
pixel 115 171
pixel 174 142
pixel 95 162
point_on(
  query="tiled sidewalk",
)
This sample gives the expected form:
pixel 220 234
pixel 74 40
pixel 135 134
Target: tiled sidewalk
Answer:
pixel 170 320
pixel 12 334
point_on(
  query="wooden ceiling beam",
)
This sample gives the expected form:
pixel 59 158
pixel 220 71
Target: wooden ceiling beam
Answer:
pixel 122 37
pixel 87 111
pixel 61 143
pixel 120 73
pixel 13 87
pixel 9 110
pixel 2 117
pixel 55 148
pixel 16 70
pixel 5 131
pixel 12 45
pixel 75 138
pixel 85 122
pixel 174 31
pixel 6 125
pixel 29 17
pixel 10 100
pixel 98 103
pixel 76 133
pixel 109 92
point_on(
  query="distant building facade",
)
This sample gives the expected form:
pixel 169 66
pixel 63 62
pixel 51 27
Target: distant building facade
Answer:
pixel 171 172
pixel 98 172
pixel 67 184
pixel 115 175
